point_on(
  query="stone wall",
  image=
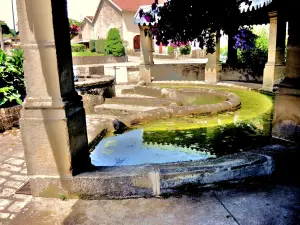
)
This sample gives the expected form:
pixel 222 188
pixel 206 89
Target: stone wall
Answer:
pixel 106 18
pixel 190 72
pixel 244 73
pixel 130 74
pixel 9 117
pixel 86 60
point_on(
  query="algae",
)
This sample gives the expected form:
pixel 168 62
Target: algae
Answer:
pixel 209 136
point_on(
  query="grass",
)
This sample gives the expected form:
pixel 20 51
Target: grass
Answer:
pixel 86 54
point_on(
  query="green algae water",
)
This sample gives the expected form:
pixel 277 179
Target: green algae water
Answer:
pixel 191 138
pixel 221 134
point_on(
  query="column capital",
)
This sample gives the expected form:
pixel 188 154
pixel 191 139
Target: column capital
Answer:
pixel 273 14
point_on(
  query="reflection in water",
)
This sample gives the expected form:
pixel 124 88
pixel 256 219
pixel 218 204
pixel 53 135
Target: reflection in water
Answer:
pixel 185 138
pixel 217 141
pixel 130 149
pixel 138 146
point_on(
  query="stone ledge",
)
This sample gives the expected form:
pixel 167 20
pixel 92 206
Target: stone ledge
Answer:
pixel 156 179
pixel 231 103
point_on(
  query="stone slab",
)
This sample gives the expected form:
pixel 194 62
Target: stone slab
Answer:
pixel 180 211
pixel 276 205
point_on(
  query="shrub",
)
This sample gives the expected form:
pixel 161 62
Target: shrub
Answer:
pixel 100 44
pixel 77 47
pixel 170 50
pixel 224 53
pixel 185 50
pixel 12 89
pixel 113 43
pixel 92 45
pixel 259 53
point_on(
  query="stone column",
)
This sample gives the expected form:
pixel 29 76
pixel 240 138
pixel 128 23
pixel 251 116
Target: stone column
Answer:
pixel 213 66
pixel 232 52
pixel 53 125
pixel 293 49
pixel 286 120
pixel 147 49
pixel 275 68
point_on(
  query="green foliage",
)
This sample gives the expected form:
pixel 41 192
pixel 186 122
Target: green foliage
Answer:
pixel 224 53
pixel 258 54
pixel 12 87
pixel 63 197
pixel 5 28
pixel 113 44
pixel 9 95
pixel 8 36
pixel 92 46
pixel 185 50
pixel 77 47
pixel 75 22
pixel 100 46
pixel 170 50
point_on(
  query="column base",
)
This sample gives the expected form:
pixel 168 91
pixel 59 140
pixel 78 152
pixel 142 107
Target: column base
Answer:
pixel 146 72
pixel 213 73
pixel 286 121
pixel 273 75
pixel 55 140
pixel 293 62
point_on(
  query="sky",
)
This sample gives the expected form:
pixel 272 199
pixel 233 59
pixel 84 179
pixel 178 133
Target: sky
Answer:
pixel 77 9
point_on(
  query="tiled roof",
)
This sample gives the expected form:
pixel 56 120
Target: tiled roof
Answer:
pixel 131 5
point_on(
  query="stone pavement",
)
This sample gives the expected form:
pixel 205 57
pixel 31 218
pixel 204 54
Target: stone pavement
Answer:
pixel 13 175
pixel 269 204
pixel 260 203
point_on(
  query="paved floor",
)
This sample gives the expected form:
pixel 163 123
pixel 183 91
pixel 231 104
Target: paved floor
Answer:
pixel 13 175
pixel 264 205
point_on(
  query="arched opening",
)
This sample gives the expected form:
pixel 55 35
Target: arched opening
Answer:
pixel 136 43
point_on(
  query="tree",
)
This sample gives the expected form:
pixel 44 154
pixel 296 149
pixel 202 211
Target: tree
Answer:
pixel 113 44
pixel 75 22
pixel 182 21
pixel 5 28
pixel 74 27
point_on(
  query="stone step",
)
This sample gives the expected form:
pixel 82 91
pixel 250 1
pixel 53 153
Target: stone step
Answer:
pixel 121 109
pixel 139 101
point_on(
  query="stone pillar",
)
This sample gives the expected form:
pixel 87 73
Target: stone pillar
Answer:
pixel 53 124
pixel 275 68
pixel 293 50
pixel 286 120
pixel 147 49
pixel 213 66
pixel 232 52
pixel 1 39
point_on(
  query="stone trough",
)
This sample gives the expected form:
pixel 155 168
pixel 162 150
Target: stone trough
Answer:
pixel 232 102
pixel 94 91
pixel 156 179
pixel 151 180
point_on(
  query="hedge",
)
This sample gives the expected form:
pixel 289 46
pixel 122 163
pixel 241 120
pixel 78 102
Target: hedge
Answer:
pixel 77 47
pixel 100 46
pixel 92 45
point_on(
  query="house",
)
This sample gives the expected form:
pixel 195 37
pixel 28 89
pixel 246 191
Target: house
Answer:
pixel 114 14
